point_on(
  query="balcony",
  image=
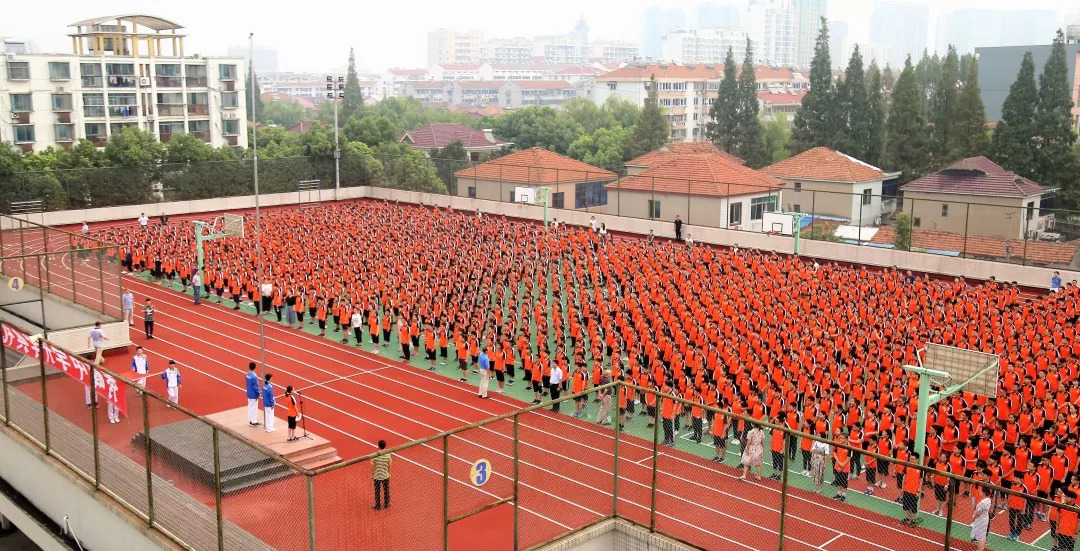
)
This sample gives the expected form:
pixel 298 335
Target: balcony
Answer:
pixel 20 117
pixel 228 86
pixel 91 82
pixel 123 111
pixel 98 140
pixel 204 136
pixel 123 81
pixel 169 82
pixel 170 110
pixel 198 109
pixel 63 117
pixel 232 140
pixel 196 82
pixel 164 137
pixel 93 110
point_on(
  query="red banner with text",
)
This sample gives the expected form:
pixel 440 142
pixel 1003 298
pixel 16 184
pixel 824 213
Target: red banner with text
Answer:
pixel 106 386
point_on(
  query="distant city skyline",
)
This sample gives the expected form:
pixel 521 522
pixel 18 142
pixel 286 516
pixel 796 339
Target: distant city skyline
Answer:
pixel 310 39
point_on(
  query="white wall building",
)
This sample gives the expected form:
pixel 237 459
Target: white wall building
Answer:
pixel 773 28
pixel 614 51
pixel 507 50
pixel 124 71
pixel 704 45
pixel 869 52
pixel 453 46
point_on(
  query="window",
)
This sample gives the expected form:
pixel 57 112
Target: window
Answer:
pixel 198 126
pixel 64 132
pixel 91 75
pixel 227 72
pixel 611 86
pixel 120 69
pixel 1030 210
pixel 18 70
pixel 654 209
pixel 867 196
pixel 590 194
pixel 558 200
pixel 59 70
pixel 796 208
pixel 229 100
pixel 944 210
pixel 472 192
pixel 735 214
pixel 231 127
pixel 761 205
pixel 118 127
pixel 798 186
pixel 24 133
pixel 93 105
pixel 22 102
pixel 94 129
pixel 916 222
pixel 61 102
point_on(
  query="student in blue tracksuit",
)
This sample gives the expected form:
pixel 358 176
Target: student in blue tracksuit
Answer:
pixel 251 384
pixel 268 404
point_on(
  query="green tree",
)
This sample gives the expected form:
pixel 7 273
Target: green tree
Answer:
pixel 902 229
pixel 777 138
pixel 853 103
pixel 875 105
pixel 965 66
pixel 888 78
pixel 79 170
pixel 605 148
pixel 653 128
pixel 722 127
pixel 185 148
pixel 135 155
pixel 585 112
pixel 537 126
pixel 817 121
pixel 944 106
pixel 371 129
pixel 1013 144
pixel 449 160
pixel 624 112
pixel 360 166
pixel 283 113
pixel 408 169
pixel 750 136
pixel 1055 165
pixel 353 103
pixel 253 84
pixel 969 135
pixel 906 147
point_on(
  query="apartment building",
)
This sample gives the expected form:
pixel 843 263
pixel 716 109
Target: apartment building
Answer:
pixel 774 28
pixel 614 51
pixel 550 93
pixel 453 46
pixel 703 45
pixel 507 50
pixel 124 71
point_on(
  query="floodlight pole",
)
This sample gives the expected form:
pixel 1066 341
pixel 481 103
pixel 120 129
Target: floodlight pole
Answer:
pixel 796 221
pixel 258 219
pixel 544 194
pixel 199 248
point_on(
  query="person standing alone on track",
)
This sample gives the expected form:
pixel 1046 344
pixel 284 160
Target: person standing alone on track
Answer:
pixel 292 415
pixel 196 285
pixel 148 319
pixel 678 228
pixel 251 385
pixel 485 374
pixel 97 340
pixel 380 473
pixel 127 304
pixel 268 404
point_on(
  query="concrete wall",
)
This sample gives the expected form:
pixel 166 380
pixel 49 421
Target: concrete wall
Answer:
pixel 834 199
pixel 1001 217
pixel 132 212
pixel 493 190
pixel 99 522
pixel 695 210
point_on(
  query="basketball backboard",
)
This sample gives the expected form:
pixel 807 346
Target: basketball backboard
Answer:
pixel 976 371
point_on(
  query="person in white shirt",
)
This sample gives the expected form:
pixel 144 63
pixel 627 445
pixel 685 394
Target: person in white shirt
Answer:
pixel 266 291
pixel 97 340
pixel 140 364
pixel 357 323
pixel 172 381
pixel 143 220
pixel 127 305
pixel 85 228
pixel 556 385
pixel 592 223
pixel 268 404
pixel 689 241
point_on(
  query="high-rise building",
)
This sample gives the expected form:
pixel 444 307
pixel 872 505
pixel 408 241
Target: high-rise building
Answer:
pixel 902 28
pixel 808 14
pixel 658 22
pixel 869 52
pixel 718 16
pixel 998 67
pixel 507 50
pixel 453 47
pixel 123 71
pixel 266 59
pixel 689 46
pixel 968 29
pixel 772 26
pixel 614 51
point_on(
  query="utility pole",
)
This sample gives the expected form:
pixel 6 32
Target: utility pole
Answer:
pixel 334 97
pixel 258 218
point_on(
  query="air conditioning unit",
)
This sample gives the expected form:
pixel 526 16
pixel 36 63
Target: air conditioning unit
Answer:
pixel 14 116
pixel 230 116
pixel 11 57
pixel 144 81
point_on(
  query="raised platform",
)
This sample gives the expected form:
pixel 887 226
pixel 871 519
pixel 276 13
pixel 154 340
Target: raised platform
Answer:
pixel 184 444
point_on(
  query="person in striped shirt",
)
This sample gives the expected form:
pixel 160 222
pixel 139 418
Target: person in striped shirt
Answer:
pixel 380 474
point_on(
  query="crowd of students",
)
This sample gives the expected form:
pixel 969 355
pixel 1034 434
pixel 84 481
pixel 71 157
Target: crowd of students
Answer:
pixel 815 348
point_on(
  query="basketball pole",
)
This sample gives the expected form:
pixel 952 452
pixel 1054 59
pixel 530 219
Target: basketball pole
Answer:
pixel 796 223
pixel 544 195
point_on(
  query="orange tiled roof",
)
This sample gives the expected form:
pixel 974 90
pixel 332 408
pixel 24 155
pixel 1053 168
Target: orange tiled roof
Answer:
pixel 665 152
pixel 536 166
pixel 699 174
pixel 989 247
pixel 666 70
pixel 976 176
pixel 822 163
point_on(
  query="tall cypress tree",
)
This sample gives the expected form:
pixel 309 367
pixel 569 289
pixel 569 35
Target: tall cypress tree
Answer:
pixel 906 144
pixel 969 137
pixel 723 122
pixel 750 136
pixel 653 128
pixel 854 107
pixel 354 99
pixel 875 107
pixel 816 121
pixel 944 108
pixel 254 111
pixel 1055 163
pixel 1014 137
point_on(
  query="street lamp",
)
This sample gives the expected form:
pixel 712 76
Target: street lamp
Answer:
pixel 334 93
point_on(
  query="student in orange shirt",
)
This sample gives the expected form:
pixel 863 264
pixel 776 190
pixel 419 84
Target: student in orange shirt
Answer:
pixel 429 345
pixel 911 487
pixel 1066 527
pixel 291 416
pixel 403 340
pixel 841 470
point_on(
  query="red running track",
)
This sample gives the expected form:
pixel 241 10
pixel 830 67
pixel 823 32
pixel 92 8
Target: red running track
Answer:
pixel 565 465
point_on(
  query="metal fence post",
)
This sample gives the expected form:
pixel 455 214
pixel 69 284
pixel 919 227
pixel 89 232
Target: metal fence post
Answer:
pixel 217 489
pixel 615 467
pixel 311 511
pixel 44 394
pixel 784 489
pixel 967 219
pixel 949 514
pixel 48 283
pixel 22 249
pixel 517 458
pixel 101 276
pixel 655 457
pixel 446 492
pixel 74 286
pixel 3 380
pixel 146 452
pixel 94 426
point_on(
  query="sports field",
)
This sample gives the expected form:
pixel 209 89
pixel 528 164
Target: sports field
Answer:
pixel 676 315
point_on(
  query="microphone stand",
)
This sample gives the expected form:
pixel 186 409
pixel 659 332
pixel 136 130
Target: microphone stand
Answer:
pixel 303 417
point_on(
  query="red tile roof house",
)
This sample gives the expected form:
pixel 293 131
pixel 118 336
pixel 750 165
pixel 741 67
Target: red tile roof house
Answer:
pixel 666 151
pixel 574 184
pixel 979 198
pixel 704 189
pixel 826 182
pixel 440 135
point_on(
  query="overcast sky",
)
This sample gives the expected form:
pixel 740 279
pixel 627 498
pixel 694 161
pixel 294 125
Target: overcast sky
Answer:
pixel 316 36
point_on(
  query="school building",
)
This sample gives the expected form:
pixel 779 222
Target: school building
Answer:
pixel 574 184
pixel 826 182
pixel 976 197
